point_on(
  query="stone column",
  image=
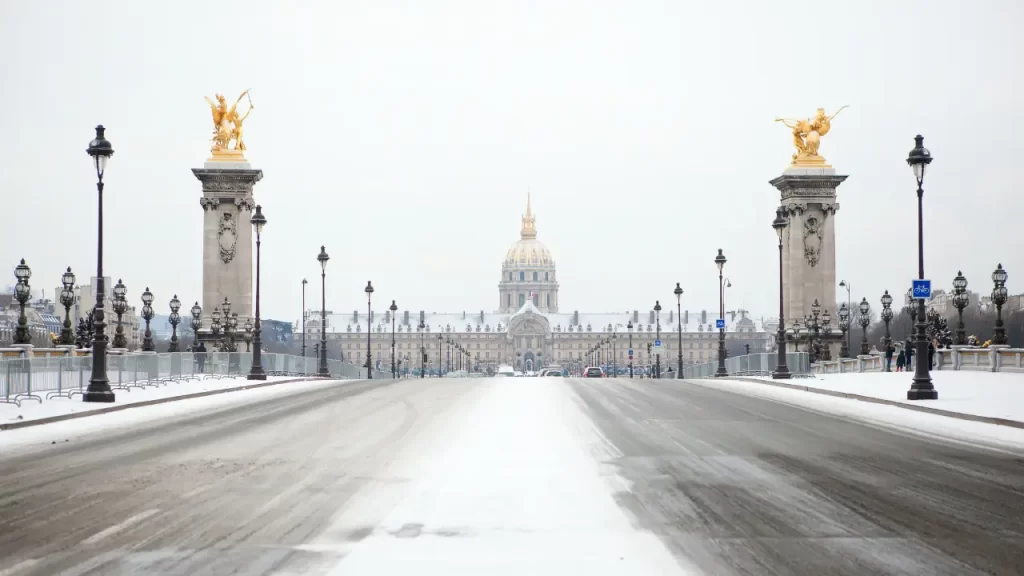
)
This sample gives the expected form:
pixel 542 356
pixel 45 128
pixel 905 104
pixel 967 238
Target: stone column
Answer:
pixel 227 204
pixel 809 257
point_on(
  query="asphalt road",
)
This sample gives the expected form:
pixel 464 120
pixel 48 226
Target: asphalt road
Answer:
pixel 741 485
pixel 729 484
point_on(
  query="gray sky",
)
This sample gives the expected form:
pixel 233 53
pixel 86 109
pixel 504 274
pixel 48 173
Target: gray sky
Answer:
pixel 404 136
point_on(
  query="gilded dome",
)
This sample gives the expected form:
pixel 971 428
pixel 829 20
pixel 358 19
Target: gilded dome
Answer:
pixel 528 251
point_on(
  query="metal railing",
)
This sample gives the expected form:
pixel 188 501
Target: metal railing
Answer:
pixel 760 364
pixel 36 377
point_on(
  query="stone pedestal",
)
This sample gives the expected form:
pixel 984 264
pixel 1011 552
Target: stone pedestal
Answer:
pixel 808 243
pixel 227 204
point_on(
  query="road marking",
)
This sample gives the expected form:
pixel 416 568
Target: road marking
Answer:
pixel 118 527
pixel 19 566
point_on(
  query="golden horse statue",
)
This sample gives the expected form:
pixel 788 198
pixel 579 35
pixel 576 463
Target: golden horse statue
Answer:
pixel 807 135
pixel 227 124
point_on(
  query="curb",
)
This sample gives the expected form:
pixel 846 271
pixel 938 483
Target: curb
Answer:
pixel 73 415
pixel 873 400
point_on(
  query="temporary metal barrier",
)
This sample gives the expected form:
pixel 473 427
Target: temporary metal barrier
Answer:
pixel 760 364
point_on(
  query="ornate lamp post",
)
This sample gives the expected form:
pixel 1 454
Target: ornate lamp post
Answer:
pixel 147 315
pixel 629 327
pixel 657 336
pixel 81 333
pixel 256 372
pixel 215 327
pixel 844 328
pixel 197 323
pixel 22 293
pixel 921 388
pixel 679 321
pixel 230 329
pixel 887 318
pixel 393 308
pixel 247 333
pixel 322 258
pixel 960 301
pixel 720 262
pixel 174 319
pixel 782 369
pixel 67 299
pixel 864 321
pixel 120 307
pixel 99 390
pixel 849 304
pixel 423 350
pixel 439 340
pixel 369 329
pixel 814 331
pixel 999 297
pixel 304 317
pixel 826 329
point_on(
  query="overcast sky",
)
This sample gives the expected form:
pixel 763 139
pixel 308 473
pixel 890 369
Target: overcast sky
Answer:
pixel 404 137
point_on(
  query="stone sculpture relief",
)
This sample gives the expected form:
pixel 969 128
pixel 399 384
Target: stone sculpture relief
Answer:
pixel 227 236
pixel 812 240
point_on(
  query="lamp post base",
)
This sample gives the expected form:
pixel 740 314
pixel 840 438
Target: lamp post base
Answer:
pixel 98 395
pixel 254 375
pixel 782 373
pixel 923 393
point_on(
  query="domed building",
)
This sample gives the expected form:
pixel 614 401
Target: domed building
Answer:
pixel 528 271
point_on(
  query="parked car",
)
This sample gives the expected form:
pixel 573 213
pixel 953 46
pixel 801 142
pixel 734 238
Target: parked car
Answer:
pixel 556 372
pixel 593 372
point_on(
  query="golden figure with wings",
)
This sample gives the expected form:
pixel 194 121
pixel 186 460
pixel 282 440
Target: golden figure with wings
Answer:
pixel 227 125
pixel 807 136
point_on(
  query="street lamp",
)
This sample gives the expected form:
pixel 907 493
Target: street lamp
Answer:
pixel 99 387
pixel 147 315
pixel 887 317
pixel 960 301
pixel 304 282
pixel 439 340
pixel 423 350
pixel 849 302
pixel 921 388
pixel 813 331
pixel 215 326
pixel 679 321
pixel 322 258
pixel 999 297
pixel 247 336
pixel 174 319
pixel 120 307
pixel 720 262
pixel 22 292
pixel 781 369
pixel 864 321
pixel 256 371
pixel 369 329
pixel 393 308
pixel 67 299
pixel 231 331
pixel 826 329
pixel 657 337
pixel 197 323
pixel 844 327
pixel 629 326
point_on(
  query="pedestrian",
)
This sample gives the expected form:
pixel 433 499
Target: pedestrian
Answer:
pixel 931 355
pixel 201 357
pixel 910 354
pixel 901 360
pixel 889 349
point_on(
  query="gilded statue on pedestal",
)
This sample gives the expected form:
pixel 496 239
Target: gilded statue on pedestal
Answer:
pixel 807 136
pixel 227 124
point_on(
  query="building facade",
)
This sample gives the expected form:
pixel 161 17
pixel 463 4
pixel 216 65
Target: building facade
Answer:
pixel 528 330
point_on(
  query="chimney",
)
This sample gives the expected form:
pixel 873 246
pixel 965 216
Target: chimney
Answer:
pixel 671 317
pixel 575 318
pixel 423 317
pixel 686 316
pixel 355 316
pixel 650 317
pixel 703 316
pixel 405 317
pixel 636 316
pixel 481 316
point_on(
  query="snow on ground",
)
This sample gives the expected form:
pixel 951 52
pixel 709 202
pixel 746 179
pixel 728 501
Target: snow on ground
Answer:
pixel 34 410
pixel 77 427
pixel 892 418
pixel 991 394
pixel 518 490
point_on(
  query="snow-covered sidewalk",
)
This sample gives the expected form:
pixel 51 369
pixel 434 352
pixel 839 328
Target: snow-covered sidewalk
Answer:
pixel 32 410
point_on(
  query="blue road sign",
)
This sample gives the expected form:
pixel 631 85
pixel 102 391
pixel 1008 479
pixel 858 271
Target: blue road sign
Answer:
pixel 657 342
pixel 720 323
pixel 922 289
pixel 630 351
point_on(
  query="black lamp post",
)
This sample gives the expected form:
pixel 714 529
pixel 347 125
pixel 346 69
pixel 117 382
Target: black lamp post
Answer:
pixel 247 334
pixel 120 307
pixel 174 319
pixel 256 371
pixel 22 293
pixel 423 350
pixel 215 327
pixel 999 297
pixel 439 340
pixel 849 303
pixel 304 282
pixel 887 318
pixel 826 329
pixel 657 337
pixel 781 369
pixel 393 308
pixel 679 322
pixel 629 327
pixel 921 388
pixel 844 328
pixel 813 331
pixel 960 301
pixel 864 321
pixel 99 387
pixel 720 262
pixel 197 323
pixel 67 299
pixel 369 329
pixel 322 258
pixel 147 315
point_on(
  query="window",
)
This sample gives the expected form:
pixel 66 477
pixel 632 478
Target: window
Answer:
pixel 522 276
pixel 545 276
pixel 522 298
pixel 509 302
pixel 548 298
pixel 534 276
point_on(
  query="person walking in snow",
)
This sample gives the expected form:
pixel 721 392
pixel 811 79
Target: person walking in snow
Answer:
pixel 901 360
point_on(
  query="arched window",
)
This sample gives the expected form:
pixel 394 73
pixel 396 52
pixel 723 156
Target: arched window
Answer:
pixel 522 299
pixel 534 276
pixel 522 276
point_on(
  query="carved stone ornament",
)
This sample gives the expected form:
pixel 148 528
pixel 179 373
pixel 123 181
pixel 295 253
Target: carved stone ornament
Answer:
pixel 795 208
pixel 245 204
pixel 227 236
pixel 209 203
pixel 812 240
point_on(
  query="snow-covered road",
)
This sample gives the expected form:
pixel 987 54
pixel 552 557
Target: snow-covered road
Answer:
pixel 500 476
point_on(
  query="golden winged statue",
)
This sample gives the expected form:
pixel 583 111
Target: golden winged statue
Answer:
pixel 227 125
pixel 807 136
